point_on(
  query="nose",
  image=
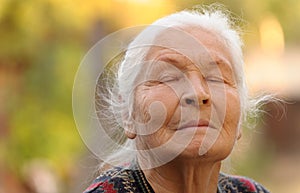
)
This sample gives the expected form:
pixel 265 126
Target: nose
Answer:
pixel 197 95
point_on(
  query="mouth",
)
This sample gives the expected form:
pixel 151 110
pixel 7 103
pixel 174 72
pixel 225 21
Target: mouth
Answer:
pixel 196 124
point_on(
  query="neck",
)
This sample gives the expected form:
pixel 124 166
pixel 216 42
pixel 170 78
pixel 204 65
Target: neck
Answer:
pixel 184 176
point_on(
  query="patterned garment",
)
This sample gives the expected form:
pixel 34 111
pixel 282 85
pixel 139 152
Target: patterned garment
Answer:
pixel 119 180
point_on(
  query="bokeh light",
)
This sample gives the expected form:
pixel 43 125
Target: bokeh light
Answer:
pixel 42 43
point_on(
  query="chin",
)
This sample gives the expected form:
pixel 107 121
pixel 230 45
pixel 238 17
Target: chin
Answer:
pixel 192 151
pixel 206 152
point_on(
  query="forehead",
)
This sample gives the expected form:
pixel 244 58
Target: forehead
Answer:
pixel 193 42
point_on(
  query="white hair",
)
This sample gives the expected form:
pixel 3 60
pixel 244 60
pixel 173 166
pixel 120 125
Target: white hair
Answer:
pixel 116 105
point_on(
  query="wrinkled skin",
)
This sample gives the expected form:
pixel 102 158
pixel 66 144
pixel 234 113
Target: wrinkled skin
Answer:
pixel 199 87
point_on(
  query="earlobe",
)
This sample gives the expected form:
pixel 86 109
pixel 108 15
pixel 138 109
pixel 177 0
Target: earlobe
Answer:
pixel 127 125
pixel 129 134
pixel 129 129
pixel 239 135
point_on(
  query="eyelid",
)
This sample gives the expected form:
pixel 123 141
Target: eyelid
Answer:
pixel 166 77
pixel 215 79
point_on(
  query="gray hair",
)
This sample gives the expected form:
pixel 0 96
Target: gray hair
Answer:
pixel 114 103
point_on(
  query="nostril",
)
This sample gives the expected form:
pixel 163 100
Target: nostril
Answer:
pixel 192 101
pixel 189 101
pixel 204 101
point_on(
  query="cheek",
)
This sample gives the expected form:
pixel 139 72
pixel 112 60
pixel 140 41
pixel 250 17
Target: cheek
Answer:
pixel 145 113
pixel 227 111
pixel 164 98
pixel 233 114
pixel 140 106
pixel 229 133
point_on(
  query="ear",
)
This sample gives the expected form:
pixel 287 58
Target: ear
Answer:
pixel 129 129
pixel 239 130
pixel 239 134
pixel 129 134
pixel 127 124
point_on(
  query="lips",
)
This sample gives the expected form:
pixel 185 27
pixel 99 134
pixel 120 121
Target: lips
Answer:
pixel 196 123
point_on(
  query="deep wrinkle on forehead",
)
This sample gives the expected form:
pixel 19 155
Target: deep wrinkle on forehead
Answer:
pixel 172 57
pixel 208 38
pixel 212 56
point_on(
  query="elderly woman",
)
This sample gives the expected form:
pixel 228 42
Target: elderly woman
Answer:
pixel 180 96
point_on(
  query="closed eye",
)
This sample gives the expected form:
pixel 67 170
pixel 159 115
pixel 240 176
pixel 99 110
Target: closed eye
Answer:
pixel 214 79
pixel 168 78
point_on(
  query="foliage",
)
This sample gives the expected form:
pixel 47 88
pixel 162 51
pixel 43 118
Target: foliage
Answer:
pixel 43 42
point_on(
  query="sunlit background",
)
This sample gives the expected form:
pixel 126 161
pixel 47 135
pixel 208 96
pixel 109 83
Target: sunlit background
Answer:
pixel 42 43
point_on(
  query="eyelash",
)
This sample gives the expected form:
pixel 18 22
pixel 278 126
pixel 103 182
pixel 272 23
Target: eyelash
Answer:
pixel 215 79
pixel 168 78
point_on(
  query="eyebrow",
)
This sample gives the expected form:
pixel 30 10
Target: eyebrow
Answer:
pixel 222 60
pixel 224 66
pixel 168 59
pixel 175 59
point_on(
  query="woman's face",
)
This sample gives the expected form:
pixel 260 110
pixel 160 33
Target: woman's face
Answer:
pixel 186 102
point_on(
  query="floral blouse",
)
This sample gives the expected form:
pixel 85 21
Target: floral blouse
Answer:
pixel 120 180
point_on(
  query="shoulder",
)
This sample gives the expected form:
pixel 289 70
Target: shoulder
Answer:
pixel 113 181
pixel 231 183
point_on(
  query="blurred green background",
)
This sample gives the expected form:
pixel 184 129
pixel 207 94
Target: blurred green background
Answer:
pixel 42 43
